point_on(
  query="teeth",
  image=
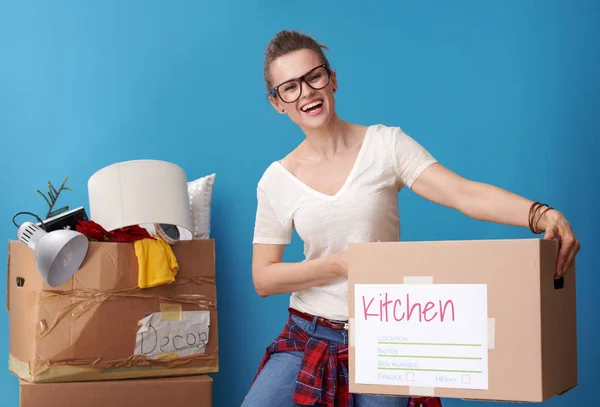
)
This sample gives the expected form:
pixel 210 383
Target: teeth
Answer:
pixel 313 104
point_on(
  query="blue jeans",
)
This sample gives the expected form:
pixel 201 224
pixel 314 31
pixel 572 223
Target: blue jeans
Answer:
pixel 275 383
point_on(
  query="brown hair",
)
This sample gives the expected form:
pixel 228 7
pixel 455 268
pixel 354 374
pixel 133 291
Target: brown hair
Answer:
pixel 287 41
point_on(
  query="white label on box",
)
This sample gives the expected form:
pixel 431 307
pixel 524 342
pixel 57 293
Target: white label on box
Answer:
pixel 163 336
pixel 421 335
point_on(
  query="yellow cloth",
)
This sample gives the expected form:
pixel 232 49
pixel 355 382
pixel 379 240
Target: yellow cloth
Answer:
pixel 157 263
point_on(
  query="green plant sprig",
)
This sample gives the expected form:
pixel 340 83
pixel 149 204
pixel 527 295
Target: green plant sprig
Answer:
pixel 53 194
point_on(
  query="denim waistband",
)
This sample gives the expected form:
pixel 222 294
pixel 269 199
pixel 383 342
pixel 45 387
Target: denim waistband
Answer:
pixel 334 336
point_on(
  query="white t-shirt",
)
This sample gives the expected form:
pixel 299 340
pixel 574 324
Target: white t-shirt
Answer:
pixel 364 210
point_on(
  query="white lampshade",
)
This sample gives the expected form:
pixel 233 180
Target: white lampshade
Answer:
pixel 140 192
pixel 58 254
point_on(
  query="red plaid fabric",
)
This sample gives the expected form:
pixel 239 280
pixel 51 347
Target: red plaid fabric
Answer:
pixel 323 377
pixel 425 402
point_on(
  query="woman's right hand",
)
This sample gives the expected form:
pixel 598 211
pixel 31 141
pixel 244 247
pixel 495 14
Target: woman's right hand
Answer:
pixel 273 276
pixel 340 263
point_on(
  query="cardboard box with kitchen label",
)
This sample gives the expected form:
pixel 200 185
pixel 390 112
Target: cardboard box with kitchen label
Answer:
pixel 479 320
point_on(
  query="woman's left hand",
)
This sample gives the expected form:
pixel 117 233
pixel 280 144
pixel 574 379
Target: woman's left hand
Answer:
pixel 483 201
pixel 556 227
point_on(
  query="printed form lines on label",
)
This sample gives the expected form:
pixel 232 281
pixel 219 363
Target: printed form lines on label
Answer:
pixel 429 343
pixel 428 357
pixel 410 369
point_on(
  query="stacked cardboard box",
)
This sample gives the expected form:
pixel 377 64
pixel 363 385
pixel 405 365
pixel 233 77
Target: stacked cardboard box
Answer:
pixel 177 391
pixel 100 337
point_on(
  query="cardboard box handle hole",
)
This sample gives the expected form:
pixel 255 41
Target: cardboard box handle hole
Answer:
pixel 559 284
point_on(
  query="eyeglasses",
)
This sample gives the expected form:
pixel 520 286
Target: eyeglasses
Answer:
pixel 290 91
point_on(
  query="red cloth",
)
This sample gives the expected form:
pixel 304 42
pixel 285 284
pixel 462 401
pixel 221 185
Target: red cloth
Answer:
pixel 319 379
pixel 425 402
pixel 323 376
pixel 96 233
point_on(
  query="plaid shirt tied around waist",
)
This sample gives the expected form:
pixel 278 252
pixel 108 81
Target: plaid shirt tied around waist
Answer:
pixel 323 377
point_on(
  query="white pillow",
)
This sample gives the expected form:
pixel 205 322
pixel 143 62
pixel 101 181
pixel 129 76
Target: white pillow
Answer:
pixel 200 193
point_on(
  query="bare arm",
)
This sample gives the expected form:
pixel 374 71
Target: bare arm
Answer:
pixel 475 199
pixel 489 203
pixel 272 276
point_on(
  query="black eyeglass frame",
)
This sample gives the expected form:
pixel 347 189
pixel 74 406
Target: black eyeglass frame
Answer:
pixel 275 90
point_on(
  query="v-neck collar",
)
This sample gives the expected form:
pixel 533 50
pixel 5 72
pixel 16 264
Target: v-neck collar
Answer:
pixel 349 178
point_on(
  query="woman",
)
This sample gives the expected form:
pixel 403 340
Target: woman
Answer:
pixel 341 185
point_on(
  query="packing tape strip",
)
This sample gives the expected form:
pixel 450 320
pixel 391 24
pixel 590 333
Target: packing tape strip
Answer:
pixel 417 279
pixel 171 312
pixel 421 391
pixel 168 356
pixel 491 339
pixel 351 331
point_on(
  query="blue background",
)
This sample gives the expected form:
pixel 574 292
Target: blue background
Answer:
pixel 500 91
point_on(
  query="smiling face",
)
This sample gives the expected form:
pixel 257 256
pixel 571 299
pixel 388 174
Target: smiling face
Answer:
pixel 306 106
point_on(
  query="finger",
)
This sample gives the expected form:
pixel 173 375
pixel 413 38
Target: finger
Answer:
pixel 563 253
pixel 570 261
pixel 551 233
